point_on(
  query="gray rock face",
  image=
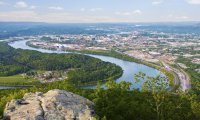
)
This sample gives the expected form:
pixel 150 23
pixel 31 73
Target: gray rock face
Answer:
pixel 53 105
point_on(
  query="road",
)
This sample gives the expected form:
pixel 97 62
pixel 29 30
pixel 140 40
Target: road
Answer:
pixel 183 77
pixel 180 76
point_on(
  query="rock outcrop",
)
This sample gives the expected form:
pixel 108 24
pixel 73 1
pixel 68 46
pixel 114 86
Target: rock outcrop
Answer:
pixel 53 105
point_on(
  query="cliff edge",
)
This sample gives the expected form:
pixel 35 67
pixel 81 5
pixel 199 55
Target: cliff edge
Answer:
pixel 53 105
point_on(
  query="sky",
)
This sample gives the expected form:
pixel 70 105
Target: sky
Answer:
pixel 97 11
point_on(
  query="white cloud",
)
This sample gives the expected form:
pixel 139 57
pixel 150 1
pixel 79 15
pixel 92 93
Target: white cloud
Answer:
pixel 91 10
pixel 157 2
pixel 171 17
pixel 55 17
pixel 82 9
pixel 195 2
pixel 28 15
pixel 32 7
pixel 117 13
pixel 183 17
pixel 127 13
pixel 21 4
pixel 135 12
pixel 95 9
pixel 2 3
pixel 123 13
pixel 56 8
pixel 18 16
pixel 65 17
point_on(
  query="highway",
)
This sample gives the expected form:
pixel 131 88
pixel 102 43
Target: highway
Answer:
pixel 183 77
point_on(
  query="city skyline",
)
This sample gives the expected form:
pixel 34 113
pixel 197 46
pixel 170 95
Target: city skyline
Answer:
pixel 94 11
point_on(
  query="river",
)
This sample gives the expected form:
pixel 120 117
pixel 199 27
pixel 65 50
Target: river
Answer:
pixel 129 68
pixel 12 87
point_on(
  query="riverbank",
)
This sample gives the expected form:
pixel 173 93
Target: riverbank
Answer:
pixel 122 56
pixel 14 87
pixel 170 74
pixel 116 54
pixel 80 69
pixel 129 68
pixel 119 55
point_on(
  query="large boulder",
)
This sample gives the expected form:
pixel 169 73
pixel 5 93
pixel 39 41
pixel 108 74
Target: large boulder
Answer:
pixel 53 105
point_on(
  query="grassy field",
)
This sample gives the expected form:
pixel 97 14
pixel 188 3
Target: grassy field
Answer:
pixel 17 80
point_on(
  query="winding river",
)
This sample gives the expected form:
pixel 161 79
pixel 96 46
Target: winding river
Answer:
pixel 11 87
pixel 129 68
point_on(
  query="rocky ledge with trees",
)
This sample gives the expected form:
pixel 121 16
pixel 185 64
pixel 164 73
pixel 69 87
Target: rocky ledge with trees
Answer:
pixel 53 105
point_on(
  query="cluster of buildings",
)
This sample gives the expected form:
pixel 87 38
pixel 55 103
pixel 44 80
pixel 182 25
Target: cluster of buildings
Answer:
pixel 49 76
pixel 146 45
pixel 196 60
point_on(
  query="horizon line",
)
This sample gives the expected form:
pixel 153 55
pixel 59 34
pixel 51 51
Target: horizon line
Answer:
pixel 198 21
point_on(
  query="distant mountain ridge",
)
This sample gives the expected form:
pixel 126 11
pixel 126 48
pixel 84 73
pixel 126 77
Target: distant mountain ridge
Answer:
pixel 198 24
pixel 11 29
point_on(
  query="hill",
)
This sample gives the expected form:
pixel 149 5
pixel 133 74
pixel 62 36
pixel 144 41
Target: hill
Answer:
pixel 81 69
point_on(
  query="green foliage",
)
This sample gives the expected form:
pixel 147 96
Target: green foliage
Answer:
pixel 82 69
pixel 193 74
pixel 17 80
pixel 90 74
pixel 7 70
pixel 119 55
pixel 120 103
pixel 8 95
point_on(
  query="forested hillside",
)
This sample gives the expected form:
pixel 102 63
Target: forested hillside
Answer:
pixel 118 102
pixel 82 69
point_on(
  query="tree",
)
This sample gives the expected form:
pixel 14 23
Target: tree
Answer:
pixel 158 87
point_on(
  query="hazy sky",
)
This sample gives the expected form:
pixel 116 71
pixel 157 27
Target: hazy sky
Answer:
pixel 81 11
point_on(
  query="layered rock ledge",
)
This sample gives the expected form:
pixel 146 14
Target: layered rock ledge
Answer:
pixel 53 105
